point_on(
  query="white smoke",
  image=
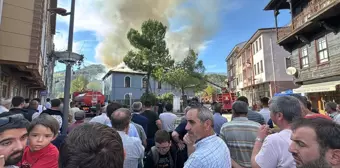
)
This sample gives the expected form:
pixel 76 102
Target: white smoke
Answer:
pixel 191 23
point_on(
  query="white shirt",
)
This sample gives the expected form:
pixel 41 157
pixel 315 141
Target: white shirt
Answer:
pixel 274 151
pixel 103 119
pixel 41 108
pixel 168 121
pixel 47 105
pixel 3 109
pixel 265 113
pixel 133 148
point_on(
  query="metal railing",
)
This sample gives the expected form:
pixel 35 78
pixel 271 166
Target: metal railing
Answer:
pixel 313 8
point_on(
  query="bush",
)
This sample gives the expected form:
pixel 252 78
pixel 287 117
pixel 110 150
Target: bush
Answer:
pixel 149 97
pixel 167 97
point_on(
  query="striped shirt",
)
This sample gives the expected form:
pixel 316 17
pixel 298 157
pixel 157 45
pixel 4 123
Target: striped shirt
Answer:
pixel 240 135
pixel 210 152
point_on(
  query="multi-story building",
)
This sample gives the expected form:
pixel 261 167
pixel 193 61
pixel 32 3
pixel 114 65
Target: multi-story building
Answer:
pixel 314 42
pixel 122 84
pixel 233 68
pixel 263 68
pixel 26 33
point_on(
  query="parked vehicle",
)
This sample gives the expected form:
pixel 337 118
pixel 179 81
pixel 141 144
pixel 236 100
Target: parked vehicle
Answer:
pixel 87 101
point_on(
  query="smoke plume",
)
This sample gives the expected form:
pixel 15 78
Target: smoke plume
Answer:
pixel 191 23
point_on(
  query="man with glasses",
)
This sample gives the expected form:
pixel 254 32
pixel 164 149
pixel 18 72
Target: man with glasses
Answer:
pixel 162 154
pixel 13 138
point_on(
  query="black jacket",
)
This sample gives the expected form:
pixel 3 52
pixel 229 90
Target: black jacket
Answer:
pixel 150 161
pixel 24 112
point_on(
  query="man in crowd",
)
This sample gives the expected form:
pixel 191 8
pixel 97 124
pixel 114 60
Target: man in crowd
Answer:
pixel 133 147
pixel 80 118
pixel 330 108
pixel 99 147
pixel 102 118
pixel 272 150
pixel 32 109
pixel 205 149
pixel 240 134
pixel 154 124
pixel 48 103
pixel 18 104
pixel 168 118
pixel 253 116
pixel 219 120
pixel 13 138
pixel 265 109
pixel 55 112
pixel 137 117
pixel 315 143
pixel 163 154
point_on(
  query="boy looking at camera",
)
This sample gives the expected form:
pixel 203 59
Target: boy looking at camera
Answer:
pixel 40 153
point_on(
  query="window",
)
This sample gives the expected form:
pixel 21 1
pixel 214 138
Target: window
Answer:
pixel 260 43
pixel 258 68
pixel 144 79
pixel 257 46
pixel 159 85
pixel 4 82
pixel 288 63
pixel 255 69
pixel 322 50
pixel 261 63
pixel 127 82
pixel 304 57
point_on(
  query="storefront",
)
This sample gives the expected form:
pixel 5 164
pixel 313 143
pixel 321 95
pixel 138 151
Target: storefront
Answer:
pixel 321 93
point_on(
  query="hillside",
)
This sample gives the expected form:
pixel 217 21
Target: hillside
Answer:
pixel 217 78
pixel 92 73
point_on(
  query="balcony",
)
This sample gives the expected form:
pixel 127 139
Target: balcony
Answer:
pixel 312 13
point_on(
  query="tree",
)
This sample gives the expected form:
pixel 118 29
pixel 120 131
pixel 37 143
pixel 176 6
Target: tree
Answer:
pixel 79 84
pixel 150 54
pixel 187 74
pixel 94 85
pixel 210 91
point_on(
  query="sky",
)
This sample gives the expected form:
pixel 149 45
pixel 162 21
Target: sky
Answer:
pixel 235 22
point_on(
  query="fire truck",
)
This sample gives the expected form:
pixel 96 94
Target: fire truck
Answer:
pixel 87 100
pixel 226 98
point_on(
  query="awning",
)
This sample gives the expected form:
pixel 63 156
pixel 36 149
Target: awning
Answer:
pixel 317 87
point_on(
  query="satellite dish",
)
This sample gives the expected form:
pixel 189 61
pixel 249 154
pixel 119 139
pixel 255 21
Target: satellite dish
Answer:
pixel 291 71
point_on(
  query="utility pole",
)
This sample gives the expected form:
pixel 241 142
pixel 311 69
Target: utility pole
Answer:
pixel 68 71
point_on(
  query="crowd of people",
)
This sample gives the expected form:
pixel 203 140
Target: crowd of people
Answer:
pixel 284 133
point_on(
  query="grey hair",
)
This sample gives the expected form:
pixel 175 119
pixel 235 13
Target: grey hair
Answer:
pixel 204 114
pixel 289 106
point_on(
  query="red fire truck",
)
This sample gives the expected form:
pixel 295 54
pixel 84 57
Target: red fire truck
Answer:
pixel 88 100
pixel 226 98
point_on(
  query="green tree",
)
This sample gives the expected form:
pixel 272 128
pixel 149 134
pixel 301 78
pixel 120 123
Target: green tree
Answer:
pixel 79 84
pixel 94 85
pixel 150 54
pixel 210 90
pixel 187 74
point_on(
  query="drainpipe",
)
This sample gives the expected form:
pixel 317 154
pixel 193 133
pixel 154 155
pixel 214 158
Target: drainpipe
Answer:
pixel 273 65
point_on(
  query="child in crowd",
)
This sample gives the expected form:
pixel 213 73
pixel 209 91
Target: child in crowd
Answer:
pixel 40 153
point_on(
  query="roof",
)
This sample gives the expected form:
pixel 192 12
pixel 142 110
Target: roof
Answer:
pixel 122 68
pixel 257 34
pixel 239 45
pixel 277 4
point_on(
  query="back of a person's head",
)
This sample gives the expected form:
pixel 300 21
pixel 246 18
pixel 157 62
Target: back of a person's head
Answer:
pixel 264 101
pixel 120 119
pixel 48 99
pixel 147 104
pixel 27 100
pixel 289 106
pixel 309 105
pixel 331 105
pixel 5 102
pixel 243 98
pixel 17 101
pixel 162 136
pixel 92 145
pixel 34 104
pixel 137 106
pixel 217 107
pixel 55 103
pixel 326 130
pixel 112 107
pixel 47 121
pixel 240 107
pixel 79 115
pixel 302 99
pixel 12 121
pixel 37 99
pixel 168 107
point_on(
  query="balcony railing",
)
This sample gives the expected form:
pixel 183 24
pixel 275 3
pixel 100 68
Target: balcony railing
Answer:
pixel 313 8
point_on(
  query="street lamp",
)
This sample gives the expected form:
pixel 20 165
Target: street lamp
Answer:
pixel 69 58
